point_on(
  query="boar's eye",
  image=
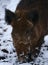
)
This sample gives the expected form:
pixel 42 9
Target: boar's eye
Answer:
pixel 33 16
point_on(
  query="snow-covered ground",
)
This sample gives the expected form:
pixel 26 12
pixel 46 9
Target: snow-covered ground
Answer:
pixel 8 56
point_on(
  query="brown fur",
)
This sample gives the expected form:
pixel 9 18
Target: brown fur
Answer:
pixel 27 34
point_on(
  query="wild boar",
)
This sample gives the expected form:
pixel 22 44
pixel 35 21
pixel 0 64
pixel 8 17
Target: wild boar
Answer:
pixel 30 25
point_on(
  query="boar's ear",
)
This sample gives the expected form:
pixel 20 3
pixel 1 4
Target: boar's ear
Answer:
pixel 9 16
pixel 33 16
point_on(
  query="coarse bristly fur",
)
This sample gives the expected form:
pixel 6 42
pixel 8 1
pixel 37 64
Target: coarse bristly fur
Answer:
pixel 30 24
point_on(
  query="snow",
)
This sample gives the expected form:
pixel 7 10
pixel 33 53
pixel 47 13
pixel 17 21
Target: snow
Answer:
pixel 7 50
pixel 25 64
pixel 8 56
pixel 46 39
pixel 12 6
pixel 6 63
